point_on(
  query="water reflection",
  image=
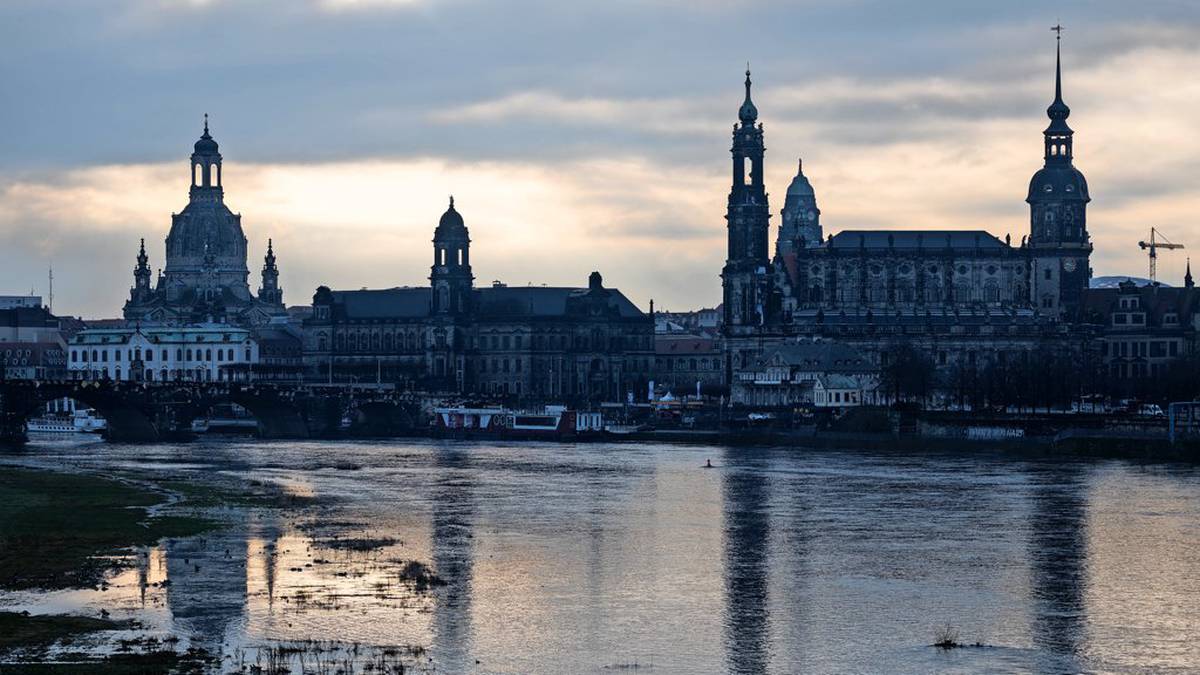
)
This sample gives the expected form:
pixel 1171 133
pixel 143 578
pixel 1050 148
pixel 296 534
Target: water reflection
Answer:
pixel 452 551
pixel 207 590
pixel 747 543
pixel 600 558
pixel 1058 556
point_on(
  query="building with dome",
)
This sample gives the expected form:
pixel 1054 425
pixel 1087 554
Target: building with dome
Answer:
pixel 523 343
pixel 205 278
pixel 961 296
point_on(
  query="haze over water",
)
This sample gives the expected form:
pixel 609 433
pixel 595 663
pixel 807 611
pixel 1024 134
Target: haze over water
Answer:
pixel 593 558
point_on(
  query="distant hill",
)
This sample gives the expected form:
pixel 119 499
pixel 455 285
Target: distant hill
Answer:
pixel 1113 282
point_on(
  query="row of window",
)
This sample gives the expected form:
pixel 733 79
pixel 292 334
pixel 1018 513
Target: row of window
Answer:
pixel 101 356
pixel 363 342
pixel 904 293
pixel 1151 349
pixel 150 375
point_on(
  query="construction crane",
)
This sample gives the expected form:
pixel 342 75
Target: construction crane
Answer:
pixel 1156 242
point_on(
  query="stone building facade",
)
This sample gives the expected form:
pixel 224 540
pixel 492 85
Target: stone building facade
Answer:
pixel 581 344
pixel 206 278
pixel 961 296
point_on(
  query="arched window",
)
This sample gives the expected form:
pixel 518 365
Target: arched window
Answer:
pixel 215 172
pixel 208 355
pixel 229 354
pixel 118 373
pixel 195 175
pixel 189 354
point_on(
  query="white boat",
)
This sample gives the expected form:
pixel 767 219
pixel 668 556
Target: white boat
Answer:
pixel 81 421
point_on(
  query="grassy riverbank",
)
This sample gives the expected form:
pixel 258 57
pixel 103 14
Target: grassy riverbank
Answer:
pixel 57 530
pixel 60 531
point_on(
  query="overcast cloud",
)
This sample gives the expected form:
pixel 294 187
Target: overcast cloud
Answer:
pixel 574 136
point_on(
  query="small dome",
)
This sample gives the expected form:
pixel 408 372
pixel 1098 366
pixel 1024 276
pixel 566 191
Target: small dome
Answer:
pixel 800 186
pixel 748 113
pixel 1058 183
pixel 206 145
pixel 451 222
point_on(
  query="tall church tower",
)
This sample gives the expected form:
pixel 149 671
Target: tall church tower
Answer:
pixel 744 278
pixel 270 292
pixel 1058 196
pixel 141 276
pixel 450 277
pixel 800 222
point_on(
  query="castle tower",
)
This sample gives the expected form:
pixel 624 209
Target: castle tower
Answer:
pixel 800 221
pixel 744 277
pixel 1058 198
pixel 450 277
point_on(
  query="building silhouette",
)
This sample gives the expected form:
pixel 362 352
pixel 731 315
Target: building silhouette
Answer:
pixel 527 342
pixel 960 296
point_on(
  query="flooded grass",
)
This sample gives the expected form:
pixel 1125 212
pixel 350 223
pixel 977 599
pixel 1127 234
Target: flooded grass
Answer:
pixel 61 530
pixel 21 630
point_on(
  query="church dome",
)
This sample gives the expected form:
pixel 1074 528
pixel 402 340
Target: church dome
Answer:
pixel 450 223
pixel 1057 183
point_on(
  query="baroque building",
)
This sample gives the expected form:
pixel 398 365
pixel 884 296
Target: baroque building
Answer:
pixel 961 296
pixel 583 344
pixel 206 278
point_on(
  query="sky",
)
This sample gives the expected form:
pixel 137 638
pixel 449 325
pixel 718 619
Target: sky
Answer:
pixel 575 136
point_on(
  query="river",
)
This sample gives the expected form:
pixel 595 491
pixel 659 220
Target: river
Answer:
pixel 602 558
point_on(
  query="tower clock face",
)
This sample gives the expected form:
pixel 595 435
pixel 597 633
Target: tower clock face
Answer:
pixel 1069 264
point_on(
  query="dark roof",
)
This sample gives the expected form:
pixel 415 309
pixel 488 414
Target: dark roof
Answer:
pixel 922 239
pixel 27 317
pixel 545 301
pixel 1100 303
pixel 388 303
pixel 683 345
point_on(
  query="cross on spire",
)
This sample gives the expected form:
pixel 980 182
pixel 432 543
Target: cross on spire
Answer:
pixel 1058 29
pixel 205 123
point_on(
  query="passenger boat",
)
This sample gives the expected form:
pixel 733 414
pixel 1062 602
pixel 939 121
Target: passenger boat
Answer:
pixel 80 421
pixel 550 423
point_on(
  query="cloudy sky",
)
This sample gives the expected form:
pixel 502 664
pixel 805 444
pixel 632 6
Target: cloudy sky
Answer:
pixel 575 136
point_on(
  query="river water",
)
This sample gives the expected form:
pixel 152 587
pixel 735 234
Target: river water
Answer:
pixel 602 558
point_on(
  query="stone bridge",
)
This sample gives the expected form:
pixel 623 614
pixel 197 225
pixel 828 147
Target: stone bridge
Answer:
pixel 140 412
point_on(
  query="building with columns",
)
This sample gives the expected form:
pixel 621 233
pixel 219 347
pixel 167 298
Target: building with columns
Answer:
pixel 206 278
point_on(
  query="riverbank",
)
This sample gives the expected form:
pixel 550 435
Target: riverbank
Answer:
pixel 67 531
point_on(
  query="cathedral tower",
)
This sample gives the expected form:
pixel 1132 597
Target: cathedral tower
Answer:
pixel 744 277
pixel 1058 198
pixel 450 276
pixel 800 222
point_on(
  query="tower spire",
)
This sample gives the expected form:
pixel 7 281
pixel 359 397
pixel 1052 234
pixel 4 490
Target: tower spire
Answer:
pixel 205 124
pixel 748 113
pixel 1187 277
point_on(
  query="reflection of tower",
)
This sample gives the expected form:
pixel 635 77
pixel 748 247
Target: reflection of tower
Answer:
pixel 1058 550
pixel 451 550
pixel 747 534
pixel 207 590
